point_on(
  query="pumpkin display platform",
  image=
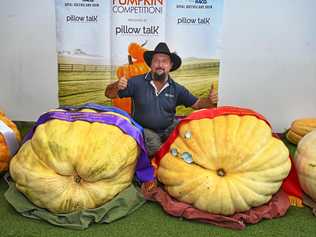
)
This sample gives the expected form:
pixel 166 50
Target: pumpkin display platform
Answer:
pixel 150 220
pixel 77 160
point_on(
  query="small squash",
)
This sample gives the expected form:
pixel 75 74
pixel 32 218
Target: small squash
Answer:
pixel 137 51
pixel 10 138
pixel 129 70
pixel 299 128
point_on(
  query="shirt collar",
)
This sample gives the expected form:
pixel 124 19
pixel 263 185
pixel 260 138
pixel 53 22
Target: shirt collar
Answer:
pixel 148 77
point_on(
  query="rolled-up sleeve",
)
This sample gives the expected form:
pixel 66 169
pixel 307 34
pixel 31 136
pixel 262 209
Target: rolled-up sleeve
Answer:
pixel 185 97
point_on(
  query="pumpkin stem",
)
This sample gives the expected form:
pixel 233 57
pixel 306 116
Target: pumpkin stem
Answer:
pixel 144 43
pixel 130 60
pixel 77 179
pixel 221 172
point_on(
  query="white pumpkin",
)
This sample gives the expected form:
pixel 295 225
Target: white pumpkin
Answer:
pixel 305 163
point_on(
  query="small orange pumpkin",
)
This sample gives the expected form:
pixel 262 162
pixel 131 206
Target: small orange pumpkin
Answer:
pixel 4 148
pixel 129 70
pixel 137 51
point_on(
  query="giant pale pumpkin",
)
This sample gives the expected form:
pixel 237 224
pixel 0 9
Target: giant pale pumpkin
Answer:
pixel 9 141
pixel 223 161
pixel 68 166
pixel 305 163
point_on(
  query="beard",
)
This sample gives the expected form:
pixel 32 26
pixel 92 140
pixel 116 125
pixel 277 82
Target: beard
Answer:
pixel 159 76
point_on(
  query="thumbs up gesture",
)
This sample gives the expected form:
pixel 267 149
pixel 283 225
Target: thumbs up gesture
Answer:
pixel 122 83
pixel 213 95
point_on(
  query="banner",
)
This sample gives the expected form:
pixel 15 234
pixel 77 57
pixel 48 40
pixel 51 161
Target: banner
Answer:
pixel 194 32
pixel 84 50
pixel 99 41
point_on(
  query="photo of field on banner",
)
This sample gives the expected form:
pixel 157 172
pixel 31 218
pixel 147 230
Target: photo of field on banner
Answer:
pixel 83 51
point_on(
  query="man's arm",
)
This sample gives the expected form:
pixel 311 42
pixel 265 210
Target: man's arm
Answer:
pixel 209 102
pixel 203 103
pixel 112 90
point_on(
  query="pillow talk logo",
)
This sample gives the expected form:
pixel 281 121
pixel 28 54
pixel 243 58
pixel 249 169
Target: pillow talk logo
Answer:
pixel 137 6
pixel 196 20
pixel 82 18
pixel 194 4
pixel 143 30
pixel 134 7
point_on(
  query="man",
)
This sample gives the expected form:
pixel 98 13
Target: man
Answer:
pixel 155 96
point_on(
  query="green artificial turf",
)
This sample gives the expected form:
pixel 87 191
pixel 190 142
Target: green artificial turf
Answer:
pixel 150 220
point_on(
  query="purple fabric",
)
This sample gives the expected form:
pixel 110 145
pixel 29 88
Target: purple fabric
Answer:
pixel 144 171
pixel 103 109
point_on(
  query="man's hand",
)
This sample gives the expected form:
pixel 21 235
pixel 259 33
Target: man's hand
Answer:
pixel 213 96
pixel 112 89
pixel 209 102
pixel 122 83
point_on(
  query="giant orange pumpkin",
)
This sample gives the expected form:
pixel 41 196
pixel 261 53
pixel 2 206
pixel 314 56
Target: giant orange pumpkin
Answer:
pixel 8 131
pixel 223 161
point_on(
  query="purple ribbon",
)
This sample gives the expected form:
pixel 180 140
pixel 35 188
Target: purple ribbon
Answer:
pixel 103 109
pixel 144 171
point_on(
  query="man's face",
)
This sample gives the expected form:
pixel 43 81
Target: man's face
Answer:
pixel 160 66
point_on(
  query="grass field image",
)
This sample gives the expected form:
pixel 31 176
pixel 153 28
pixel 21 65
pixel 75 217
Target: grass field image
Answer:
pixel 79 83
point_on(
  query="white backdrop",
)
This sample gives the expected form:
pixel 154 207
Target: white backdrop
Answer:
pixel 269 58
pixel 268 51
pixel 28 60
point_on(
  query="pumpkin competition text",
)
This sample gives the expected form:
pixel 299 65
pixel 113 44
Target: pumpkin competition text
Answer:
pixel 138 6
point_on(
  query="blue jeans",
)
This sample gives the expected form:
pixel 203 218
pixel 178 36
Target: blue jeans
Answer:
pixel 154 140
